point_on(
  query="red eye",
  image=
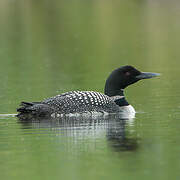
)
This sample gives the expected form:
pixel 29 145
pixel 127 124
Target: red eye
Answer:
pixel 127 73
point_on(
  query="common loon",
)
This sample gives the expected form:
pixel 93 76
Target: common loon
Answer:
pixel 112 101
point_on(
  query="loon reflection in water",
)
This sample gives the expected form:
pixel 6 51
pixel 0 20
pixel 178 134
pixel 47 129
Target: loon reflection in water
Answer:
pixel 113 101
pixel 119 133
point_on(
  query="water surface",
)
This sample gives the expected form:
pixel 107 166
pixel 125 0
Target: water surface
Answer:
pixel 49 47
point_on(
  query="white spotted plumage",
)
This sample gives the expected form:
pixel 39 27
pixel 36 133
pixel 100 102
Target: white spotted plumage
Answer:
pixel 81 101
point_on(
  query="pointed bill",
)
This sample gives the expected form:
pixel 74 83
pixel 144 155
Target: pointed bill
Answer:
pixel 147 75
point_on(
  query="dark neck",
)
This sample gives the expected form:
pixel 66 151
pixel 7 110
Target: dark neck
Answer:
pixel 113 89
pixel 113 92
pixel 120 101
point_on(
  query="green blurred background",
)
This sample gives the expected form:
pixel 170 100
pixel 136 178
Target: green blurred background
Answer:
pixel 49 47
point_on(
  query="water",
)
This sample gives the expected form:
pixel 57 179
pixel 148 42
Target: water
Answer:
pixel 49 47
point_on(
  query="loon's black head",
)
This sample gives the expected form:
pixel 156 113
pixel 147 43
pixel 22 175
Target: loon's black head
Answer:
pixel 122 77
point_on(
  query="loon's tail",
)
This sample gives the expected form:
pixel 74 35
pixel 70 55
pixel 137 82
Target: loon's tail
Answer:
pixel 26 107
pixel 33 109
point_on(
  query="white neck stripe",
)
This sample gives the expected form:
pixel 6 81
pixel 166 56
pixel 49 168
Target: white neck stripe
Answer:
pixel 116 97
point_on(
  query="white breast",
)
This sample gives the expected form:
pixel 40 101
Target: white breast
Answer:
pixel 127 112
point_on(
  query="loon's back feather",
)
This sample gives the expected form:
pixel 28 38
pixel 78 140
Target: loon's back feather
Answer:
pixel 70 102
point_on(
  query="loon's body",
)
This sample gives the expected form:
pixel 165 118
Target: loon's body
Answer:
pixel 113 101
pixel 73 102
